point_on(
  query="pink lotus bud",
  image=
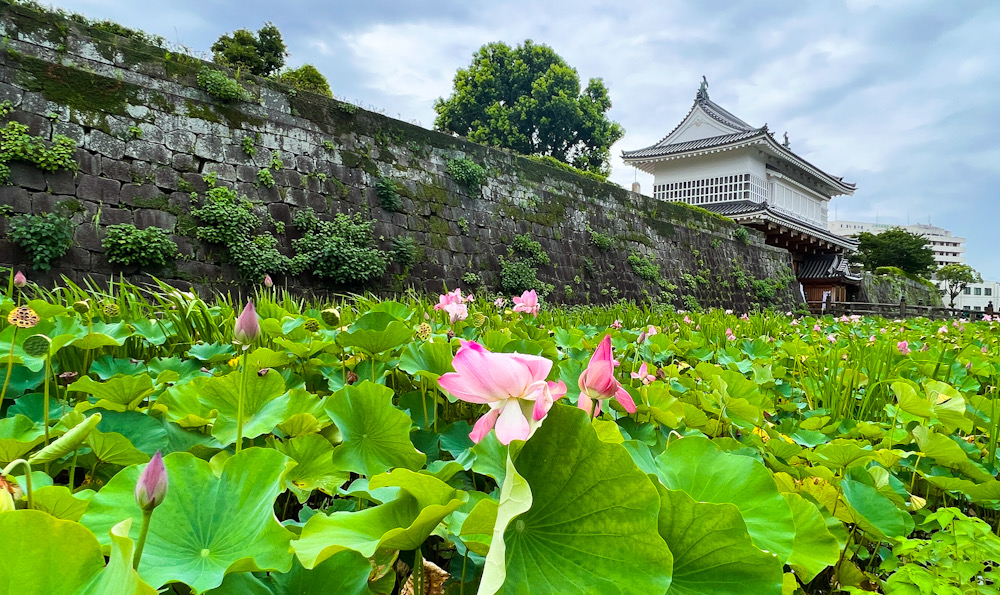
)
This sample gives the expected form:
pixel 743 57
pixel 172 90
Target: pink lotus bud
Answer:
pixel 247 325
pixel 20 280
pixel 268 282
pixel 152 485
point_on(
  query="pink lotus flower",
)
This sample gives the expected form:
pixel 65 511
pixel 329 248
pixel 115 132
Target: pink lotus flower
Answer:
pixel 643 374
pixel 925 347
pixel 652 330
pixel 20 280
pixel 831 338
pixel 457 312
pixel 729 312
pixel 871 339
pixel 247 325
pixel 617 324
pixel 152 485
pixel 816 328
pixel 985 349
pixel 903 347
pixel 729 335
pixel 687 320
pixel 527 303
pixel 943 329
pixel 512 384
pixel 268 283
pixel 745 316
pixel 500 302
pixel 794 322
pixel 598 381
pixel 452 297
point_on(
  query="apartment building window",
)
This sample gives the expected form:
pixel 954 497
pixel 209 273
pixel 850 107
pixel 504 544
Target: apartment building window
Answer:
pixel 978 291
pixel 988 291
pixel 967 291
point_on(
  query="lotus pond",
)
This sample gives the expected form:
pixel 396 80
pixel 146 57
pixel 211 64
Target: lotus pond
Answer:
pixel 367 446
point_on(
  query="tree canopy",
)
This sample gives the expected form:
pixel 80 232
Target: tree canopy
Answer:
pixel 956 278
pixel 528 99
pixel 895 247
pixel 262 54
pixel 306 78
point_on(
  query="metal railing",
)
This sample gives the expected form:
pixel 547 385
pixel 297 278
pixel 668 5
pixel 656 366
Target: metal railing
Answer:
pixel 900 310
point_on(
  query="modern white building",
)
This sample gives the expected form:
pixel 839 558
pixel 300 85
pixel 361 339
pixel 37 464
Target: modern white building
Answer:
pixel 716 161
pixel 948 248
pixel 977 296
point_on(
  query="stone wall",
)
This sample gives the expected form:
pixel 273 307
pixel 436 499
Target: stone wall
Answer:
pixel 147 136
pixel 888 289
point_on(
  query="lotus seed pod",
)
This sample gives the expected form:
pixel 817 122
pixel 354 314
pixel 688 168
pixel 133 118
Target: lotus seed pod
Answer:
pixel 23 317
pixel 331 316
pixel 82 306
pixel 478 319
pixel 111 309
pixel 37 345
pixel 424 331
pixel 312 325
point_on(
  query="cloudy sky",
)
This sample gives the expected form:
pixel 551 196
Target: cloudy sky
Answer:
pixel 901 97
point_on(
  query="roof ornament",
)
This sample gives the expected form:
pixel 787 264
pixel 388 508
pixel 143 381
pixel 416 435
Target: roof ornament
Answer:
pixel 703 89
pixel 786 144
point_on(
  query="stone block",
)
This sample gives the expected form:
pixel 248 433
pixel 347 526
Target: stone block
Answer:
pixel 209 147
pixel 184 163
pixel 116 170
pixel 115 216
pixel 26 175
pixel 60 182
pixel 97 189
pixel 89 163
pixel 106 145
pixel 154 218
pixel 143 191
pixel 75 259
pixel 37 125
pixel 246 173
pixel 147 151
pixel 70 130
pixel 11 93
pixel 43 202
pixel 16 197
pixel 224 171
pixel 180 141
pixel 86 237
pixel 166 178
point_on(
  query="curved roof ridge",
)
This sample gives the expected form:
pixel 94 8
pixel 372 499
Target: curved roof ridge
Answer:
pixel 721 114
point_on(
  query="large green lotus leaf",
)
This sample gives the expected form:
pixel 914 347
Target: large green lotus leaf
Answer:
pixel 815 547
pixel 58 556
pixel 264 403
pixel 107 367
pixel 949 406
pixel 942 449
pixel 101 335
pixel 400 524
pixel 212 353
pixel 18 435
pixel 112 447
pixel 697 466
pixel 258 359
pixel 345 573
pixel 146 433
pixel 59 502
pixel 839 454
pixel 303 349
pixel 315 468
pixel 376 332
pixel 376 435
pixel 874 512
pixel 591 527
pixel 491 458
pixel 428 360
pixel 515 500
pixel 911 402
pixel 712 549
pixel 207 526
pixel 154 331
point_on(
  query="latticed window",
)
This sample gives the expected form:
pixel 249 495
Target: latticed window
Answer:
pixel 716 189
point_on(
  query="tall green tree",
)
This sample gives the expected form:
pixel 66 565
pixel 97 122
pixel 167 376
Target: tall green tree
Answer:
pixel 262 54
pixel 528 99
pixel 956 278
pixel 895 247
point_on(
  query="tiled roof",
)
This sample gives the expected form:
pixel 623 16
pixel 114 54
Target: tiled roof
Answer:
pixel 660 149
pixel 745 209
pixel 719 113
pixel 827 266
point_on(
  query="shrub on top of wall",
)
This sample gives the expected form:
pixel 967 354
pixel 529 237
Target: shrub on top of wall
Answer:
pixel 220 86
pixel 468 173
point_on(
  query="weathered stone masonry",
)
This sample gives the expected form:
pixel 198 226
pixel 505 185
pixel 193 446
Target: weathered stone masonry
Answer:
pixel 93 86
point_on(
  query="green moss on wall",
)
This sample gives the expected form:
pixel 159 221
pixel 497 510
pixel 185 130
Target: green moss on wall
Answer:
pixel 75 88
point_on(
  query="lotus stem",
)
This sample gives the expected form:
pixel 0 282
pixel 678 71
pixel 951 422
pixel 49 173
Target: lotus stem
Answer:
pixel 10 367
pixel 45 401
pixel 239 402
pixel 27 478
pixel 143 532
